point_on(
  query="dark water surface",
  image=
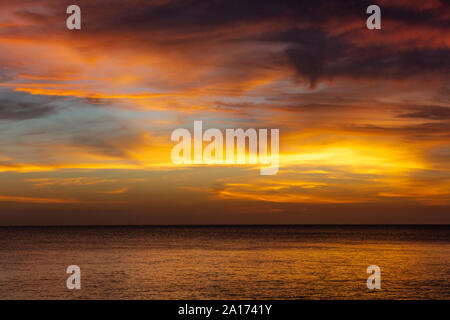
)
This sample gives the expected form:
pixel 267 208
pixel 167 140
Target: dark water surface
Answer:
pixel 254 262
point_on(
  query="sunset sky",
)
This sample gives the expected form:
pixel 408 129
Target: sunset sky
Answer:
pixel 86 115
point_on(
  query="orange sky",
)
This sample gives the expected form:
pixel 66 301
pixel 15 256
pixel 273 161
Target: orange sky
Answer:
pixel 86 116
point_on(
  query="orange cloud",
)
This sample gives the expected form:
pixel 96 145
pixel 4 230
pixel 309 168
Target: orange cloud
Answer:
pixel 20 199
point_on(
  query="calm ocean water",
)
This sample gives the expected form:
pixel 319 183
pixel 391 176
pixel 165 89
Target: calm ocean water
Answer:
pixel 260 262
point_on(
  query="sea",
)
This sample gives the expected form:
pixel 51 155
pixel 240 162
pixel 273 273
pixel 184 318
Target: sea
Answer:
pixel 226 262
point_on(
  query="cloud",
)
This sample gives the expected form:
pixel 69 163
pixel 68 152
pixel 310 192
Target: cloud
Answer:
pixel 376 62
pixel 115 191
pixel 430 113
pixel 318 56
pixel 422 129
pixel 77 181
pixel 312 51
pixel 14 110
pixel 36 200
pixel 364 110
pixel 318 39
pixel 18 106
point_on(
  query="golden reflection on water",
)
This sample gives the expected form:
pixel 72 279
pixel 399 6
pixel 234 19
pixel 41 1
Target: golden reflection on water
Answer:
pixel 225 263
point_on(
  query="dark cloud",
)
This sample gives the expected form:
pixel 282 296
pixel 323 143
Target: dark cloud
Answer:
pixel 202 15
pixel 316 55
pixel 312 51
pixel 415 132
pixel 415 14
pixel 22 106
pixel 377 62
pixel 431 113
pixel 316 50
pixel 14 110
pixel 191 16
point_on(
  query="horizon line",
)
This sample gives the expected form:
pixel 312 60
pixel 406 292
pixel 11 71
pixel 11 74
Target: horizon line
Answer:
pixel 228 225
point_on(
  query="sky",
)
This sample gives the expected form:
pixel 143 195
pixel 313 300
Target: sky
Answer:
pixel 86 115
